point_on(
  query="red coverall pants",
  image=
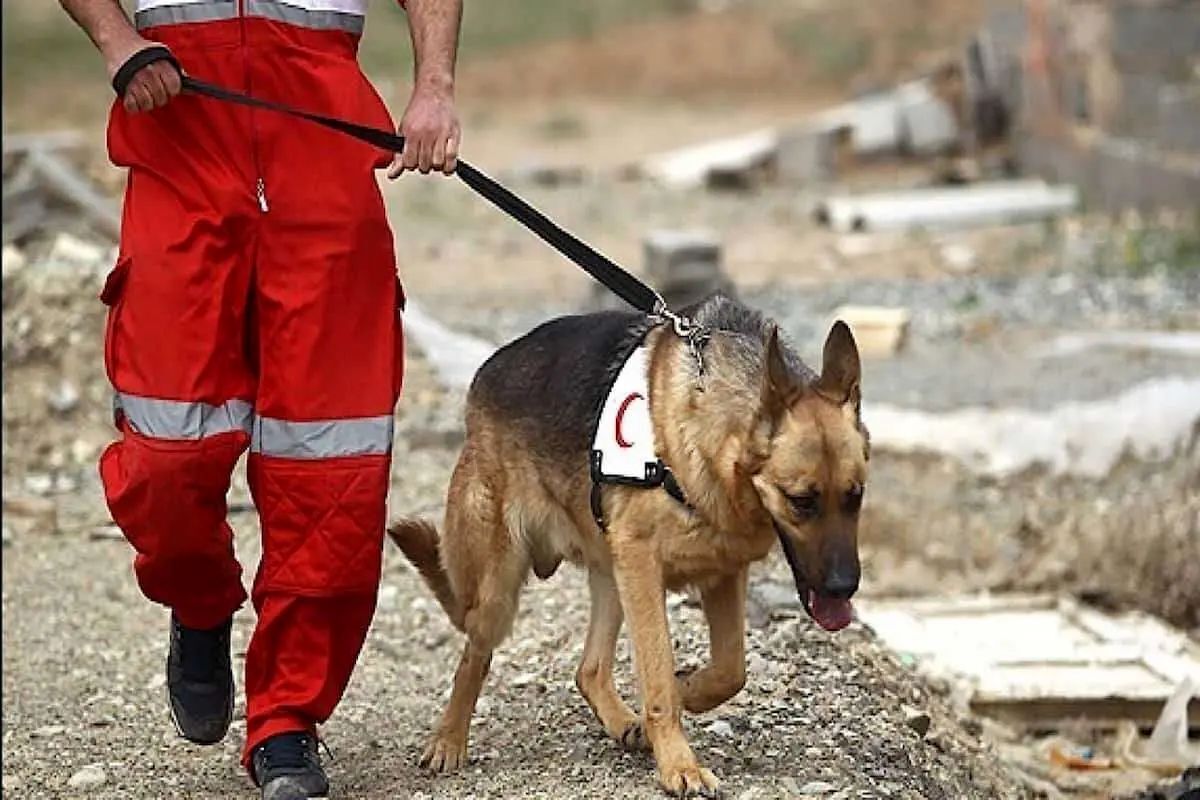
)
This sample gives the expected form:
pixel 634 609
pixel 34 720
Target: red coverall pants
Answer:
pixel 255 303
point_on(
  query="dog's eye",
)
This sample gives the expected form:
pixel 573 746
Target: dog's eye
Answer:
pixel 852 502
pixel 805 505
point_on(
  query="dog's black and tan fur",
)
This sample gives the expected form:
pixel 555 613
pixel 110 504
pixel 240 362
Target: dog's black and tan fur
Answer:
pixel 763 447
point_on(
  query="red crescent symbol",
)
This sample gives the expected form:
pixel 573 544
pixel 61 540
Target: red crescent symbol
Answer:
pixel 621 442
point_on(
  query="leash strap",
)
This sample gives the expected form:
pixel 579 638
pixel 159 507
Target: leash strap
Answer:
pixel 616 278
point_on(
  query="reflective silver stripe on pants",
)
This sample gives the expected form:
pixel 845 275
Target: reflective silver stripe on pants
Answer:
pixel 180 419
pixel 322 439
pixel 186 12
pixel 305 18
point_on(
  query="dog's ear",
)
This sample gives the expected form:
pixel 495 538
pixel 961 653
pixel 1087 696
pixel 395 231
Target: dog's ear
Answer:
pixel 780 383
pixel 841 369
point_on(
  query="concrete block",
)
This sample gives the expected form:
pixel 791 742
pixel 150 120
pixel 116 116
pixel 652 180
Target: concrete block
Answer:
pixel 927 123
pixel 684 266
pixel 811 154
pixel 879 331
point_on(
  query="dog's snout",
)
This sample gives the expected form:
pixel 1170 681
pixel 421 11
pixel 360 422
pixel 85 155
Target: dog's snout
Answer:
pixel 841 586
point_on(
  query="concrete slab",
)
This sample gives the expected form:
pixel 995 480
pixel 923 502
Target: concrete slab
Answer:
pixel 1040 660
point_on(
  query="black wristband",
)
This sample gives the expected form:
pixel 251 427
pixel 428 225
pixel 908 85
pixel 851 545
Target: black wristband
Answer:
pixel 135 64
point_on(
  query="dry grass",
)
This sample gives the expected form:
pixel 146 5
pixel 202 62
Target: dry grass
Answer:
pixel 1128 541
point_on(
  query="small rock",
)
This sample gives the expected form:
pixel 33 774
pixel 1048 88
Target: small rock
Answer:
pixel 156 682
pixel 8 537
pixel 47 731
pixel 917 719
pixel 39 483
pixel 524 679
pixel 106 533
pixel 959 257
pixel 720 728
pixel 73 252
pixel 11 783
pixel 387 596
pixel 817 788
pixel 11 262
pixel 89 777
pixel 64 399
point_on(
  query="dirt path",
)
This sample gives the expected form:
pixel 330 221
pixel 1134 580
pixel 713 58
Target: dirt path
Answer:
pixel 821 716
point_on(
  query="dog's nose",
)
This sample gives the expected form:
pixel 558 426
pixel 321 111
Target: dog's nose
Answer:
pixel 840 586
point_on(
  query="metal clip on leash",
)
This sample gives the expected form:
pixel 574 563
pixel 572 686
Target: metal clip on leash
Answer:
pixel 685 328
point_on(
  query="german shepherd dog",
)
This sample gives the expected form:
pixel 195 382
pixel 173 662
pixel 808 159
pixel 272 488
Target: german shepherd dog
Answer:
pixel 763 448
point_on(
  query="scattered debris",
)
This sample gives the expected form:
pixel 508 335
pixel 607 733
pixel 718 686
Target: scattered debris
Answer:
pixel 1065 754
pixel 108 533
pixel 49 731
pixel 994 203
pixel 1167 752
pixel 90 777
pixel 43 192
pixel 720 728
pixel 812 153
pixel 917 719
pixel 694 166
pixel 879 332
pixel 64 399
pixel 817 788
pixel 1037 661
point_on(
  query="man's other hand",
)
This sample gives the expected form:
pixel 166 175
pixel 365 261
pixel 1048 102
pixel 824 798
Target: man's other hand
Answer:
pixel 153 85
pixel 431 133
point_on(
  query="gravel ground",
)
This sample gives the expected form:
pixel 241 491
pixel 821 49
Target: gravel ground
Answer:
pixel 822 716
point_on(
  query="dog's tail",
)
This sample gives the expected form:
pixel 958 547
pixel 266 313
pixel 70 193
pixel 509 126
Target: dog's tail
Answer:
pixel 418 540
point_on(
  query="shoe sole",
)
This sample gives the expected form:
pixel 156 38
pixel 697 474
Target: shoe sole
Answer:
pixel 179 730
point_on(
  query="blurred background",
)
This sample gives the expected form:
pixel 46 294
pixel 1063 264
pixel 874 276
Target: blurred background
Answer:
pixel 1001 197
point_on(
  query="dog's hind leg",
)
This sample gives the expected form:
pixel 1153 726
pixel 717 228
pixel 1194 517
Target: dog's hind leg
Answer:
pixel 487 571
pixel 595 675
pixel 725 674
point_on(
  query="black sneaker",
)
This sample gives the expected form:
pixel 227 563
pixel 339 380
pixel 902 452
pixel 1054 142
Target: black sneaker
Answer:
pixel 200 682
pixel 287 767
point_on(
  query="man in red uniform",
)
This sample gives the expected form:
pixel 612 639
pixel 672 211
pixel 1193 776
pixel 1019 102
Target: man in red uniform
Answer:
pixel 255 304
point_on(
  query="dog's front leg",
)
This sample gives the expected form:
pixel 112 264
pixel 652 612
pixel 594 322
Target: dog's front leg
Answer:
pixel 725 674
pixel 638 571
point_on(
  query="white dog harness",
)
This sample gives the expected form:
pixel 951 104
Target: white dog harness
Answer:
pixel 623 447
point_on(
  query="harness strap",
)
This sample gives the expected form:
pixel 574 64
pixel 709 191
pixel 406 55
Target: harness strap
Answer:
pixel 616 278
pixel 666 480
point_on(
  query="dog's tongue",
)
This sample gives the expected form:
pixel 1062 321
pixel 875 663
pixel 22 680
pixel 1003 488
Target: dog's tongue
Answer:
pixel 830 613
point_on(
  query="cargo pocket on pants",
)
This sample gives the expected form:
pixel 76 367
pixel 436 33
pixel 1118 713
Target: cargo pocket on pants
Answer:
pixel 113 296
pixel 398 343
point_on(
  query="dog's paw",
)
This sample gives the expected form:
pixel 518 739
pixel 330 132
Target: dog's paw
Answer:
pixel 693 781
pixel 444 754
pixel 634 736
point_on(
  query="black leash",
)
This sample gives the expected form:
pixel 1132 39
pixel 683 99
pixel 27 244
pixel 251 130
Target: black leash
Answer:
pixel 607 272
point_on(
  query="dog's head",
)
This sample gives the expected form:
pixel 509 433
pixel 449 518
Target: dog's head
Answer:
pixel 810 470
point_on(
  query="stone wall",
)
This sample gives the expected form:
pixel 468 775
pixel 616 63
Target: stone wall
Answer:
pixel 1107 95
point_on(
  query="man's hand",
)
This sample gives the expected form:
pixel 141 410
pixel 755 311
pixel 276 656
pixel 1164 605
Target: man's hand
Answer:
pixel 430 124
pixel 152 86
pixel 109 29
pixel 431 134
